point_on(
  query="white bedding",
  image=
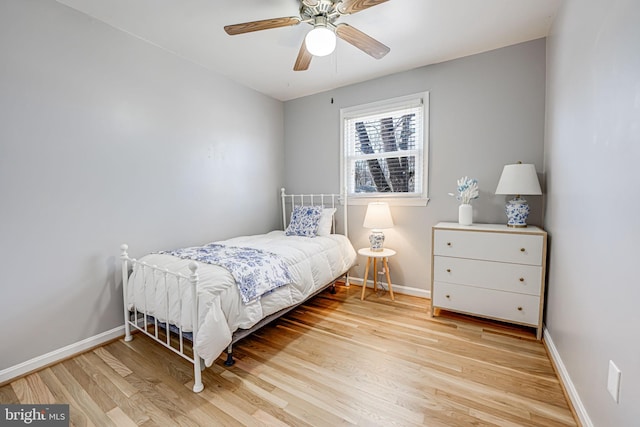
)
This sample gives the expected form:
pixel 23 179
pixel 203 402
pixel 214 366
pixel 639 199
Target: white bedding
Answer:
pixel 313 263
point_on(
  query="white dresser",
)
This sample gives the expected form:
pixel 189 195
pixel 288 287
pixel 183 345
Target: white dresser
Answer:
pixel 489 270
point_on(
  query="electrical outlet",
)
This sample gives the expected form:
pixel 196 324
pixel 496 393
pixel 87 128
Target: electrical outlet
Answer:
pixel 613 381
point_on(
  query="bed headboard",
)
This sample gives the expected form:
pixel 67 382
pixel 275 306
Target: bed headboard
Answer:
pixel 289 201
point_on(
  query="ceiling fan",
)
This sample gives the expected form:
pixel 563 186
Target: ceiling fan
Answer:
pixel 321 40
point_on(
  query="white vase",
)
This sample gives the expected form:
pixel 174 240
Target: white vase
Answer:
pixel 465 214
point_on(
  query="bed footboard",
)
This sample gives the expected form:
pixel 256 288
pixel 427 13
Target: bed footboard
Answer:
pixel 150 326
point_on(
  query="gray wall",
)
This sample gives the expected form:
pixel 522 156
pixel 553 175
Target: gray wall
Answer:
pixel 486 111
pixel 105 139
pixel 591 160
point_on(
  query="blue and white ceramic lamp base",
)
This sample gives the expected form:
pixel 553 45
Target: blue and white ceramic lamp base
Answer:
pixel 376 241
pixel 517 211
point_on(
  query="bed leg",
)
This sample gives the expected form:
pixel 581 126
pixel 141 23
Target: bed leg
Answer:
pixel 198 367
pixel 229 361
pixel 124 257
pixel 127 332
pixel 332 289
pixel 197 361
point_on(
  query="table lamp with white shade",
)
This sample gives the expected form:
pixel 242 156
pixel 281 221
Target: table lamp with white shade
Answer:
pixel 518 179
pixel 378 217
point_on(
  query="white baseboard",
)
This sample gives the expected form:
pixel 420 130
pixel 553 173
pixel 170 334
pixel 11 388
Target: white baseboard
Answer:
pixel 399 289
pixel 581 411
pixel 39 362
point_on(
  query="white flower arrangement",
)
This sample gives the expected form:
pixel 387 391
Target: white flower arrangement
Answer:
pixel 467 190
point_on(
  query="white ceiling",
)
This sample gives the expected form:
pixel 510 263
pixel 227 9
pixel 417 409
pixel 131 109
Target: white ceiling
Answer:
pixel 419 32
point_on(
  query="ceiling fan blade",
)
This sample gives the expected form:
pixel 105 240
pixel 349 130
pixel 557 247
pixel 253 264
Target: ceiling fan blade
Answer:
pixel 362 41
pixel 265 24
pixel 353 6
pixel 304 58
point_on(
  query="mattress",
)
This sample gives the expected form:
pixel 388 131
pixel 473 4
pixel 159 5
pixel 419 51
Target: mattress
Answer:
pixel 313 263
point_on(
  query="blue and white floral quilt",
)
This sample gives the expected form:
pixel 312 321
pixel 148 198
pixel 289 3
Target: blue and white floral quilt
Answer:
pixel 257 272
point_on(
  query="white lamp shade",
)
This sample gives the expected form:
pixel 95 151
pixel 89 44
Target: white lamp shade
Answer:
pixel 519 179
pixel 320 41
pixel 378 216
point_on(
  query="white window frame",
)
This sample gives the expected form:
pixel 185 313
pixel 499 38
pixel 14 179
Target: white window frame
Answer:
pixel 409 199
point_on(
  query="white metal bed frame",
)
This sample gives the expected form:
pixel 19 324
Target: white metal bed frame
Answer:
pixel 142 322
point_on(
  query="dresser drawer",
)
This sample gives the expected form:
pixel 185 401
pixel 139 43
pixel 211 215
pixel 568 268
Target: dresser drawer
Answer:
pixel 503 247
pixel 518 278
pixel 508 306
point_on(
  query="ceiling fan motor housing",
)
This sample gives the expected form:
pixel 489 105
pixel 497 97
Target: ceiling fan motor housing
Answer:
pixel 322 8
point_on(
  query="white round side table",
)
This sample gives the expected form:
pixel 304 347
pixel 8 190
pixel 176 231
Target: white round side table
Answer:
pixel 384 254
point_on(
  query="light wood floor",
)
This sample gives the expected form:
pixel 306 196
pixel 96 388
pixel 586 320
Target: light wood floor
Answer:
pixel 334 361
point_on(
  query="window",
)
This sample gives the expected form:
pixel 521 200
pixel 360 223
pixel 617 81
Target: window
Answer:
pixel 384 149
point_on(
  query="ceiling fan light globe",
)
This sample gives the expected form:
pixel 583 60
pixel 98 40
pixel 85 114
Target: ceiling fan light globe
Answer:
pixel 320 41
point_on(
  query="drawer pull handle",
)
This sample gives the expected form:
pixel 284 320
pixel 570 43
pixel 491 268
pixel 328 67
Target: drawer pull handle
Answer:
pixel 447 296
pixel 448 270
pixel 519 308
pixel 523 250
pixel 522 279
pixel 448 243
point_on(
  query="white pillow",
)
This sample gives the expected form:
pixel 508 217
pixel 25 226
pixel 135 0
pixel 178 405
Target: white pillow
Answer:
pixel 326 222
